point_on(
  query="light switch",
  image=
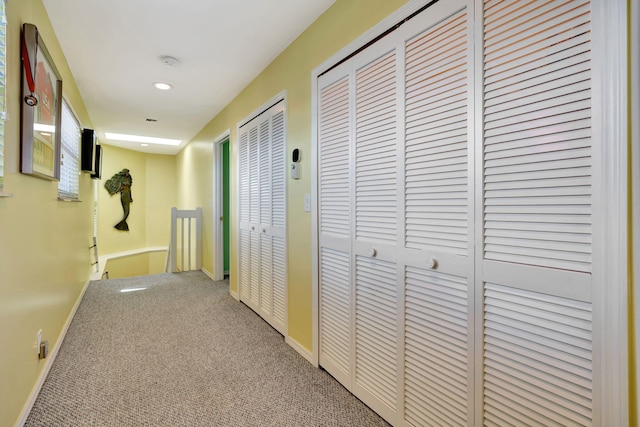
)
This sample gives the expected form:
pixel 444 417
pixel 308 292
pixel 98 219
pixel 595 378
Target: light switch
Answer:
pixel 307 202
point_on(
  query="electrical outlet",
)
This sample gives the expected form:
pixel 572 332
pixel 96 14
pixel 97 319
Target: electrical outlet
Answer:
pixel 39 341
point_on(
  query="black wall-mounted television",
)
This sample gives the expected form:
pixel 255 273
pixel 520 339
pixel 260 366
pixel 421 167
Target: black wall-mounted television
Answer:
pixel 88 151
pixel 97 174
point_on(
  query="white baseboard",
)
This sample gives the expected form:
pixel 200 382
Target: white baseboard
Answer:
pixel 234 294
pixel 208 273
pixel 300 349
pixel 26 409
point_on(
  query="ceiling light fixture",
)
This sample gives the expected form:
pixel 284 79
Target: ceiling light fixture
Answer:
pixel 169 61
pixel 144 145
pixel 143 139
pixel 162 86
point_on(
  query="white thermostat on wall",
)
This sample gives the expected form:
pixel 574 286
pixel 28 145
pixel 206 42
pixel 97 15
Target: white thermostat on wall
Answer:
pixel 295 164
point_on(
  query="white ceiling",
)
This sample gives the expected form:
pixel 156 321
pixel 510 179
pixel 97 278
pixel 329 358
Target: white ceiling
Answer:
pixel 114 50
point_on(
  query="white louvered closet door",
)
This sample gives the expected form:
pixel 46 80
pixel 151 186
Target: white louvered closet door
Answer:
pixel 334 223
pixel 536 214
pixel 438 255
pixel 262 249
pixel 394 246
pixel 244 247
pixel 275 229
pixel 375 219
pixel 455 218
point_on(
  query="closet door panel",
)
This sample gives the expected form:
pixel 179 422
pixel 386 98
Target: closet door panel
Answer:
pixel 334 154
pixel 278 171
pixel 436 348
pixel 436 138
pixel 334 223
pixel 376 331
pixel 438 369
pixel 254 217
pixel 279 283
pixel 536 217
pixel 335 314
pixel 244 248
pixel 266 276
pixel 538 358
pixel 376 142
pixel 254 270
pixel 265 294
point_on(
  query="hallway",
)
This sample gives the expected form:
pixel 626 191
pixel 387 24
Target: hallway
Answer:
pixel 177 350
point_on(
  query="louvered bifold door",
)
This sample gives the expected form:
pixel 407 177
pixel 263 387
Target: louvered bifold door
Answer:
pixel 244 247
pixel 334 223
pixel 266 261
pixel 254 218
pixel 262 248
pixel 437 259
pixel 375 218
pixel 274 229
pixel 536 214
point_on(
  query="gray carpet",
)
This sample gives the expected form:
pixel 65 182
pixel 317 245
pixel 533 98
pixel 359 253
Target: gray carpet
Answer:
pixel 182 352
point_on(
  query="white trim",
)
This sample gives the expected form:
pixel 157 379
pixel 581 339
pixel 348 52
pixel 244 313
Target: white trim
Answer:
pixel 235 295
pixel 102 260
pixel 218 208
pixel 208 274
pixel 390 21
pixel 315 227
pixel 26 409
pixel 301 350
pixel 282 96
pixel 635 186
pixel 610 221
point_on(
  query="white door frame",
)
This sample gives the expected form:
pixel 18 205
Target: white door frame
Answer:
pixel 635 183
pixel 218 208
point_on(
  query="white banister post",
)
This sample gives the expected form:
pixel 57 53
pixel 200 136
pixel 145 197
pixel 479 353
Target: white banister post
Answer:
pixel 199 239
pixel 174 240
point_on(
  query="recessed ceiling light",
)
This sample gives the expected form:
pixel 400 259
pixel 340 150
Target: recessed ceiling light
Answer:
pixel 144 145
pixel 162 86
pixel 143 139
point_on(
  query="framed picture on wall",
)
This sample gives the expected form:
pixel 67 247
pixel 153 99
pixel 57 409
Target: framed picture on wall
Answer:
pixel 41 111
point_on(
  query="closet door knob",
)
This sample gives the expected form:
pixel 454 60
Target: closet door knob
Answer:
pixel 432 263
pixel 373 252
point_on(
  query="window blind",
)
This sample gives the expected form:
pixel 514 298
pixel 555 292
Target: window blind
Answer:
pixel 68 187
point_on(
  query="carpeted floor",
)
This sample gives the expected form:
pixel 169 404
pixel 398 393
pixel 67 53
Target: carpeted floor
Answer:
pixel 183 352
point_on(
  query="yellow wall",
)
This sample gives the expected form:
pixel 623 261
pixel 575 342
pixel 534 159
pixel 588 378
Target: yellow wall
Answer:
pixel 153 193
pixel 291 71
pixel 44 243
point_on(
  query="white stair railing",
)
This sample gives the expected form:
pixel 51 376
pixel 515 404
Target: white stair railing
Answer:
pixel 181 219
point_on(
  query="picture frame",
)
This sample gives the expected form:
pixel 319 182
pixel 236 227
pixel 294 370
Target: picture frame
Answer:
pixel 41 111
